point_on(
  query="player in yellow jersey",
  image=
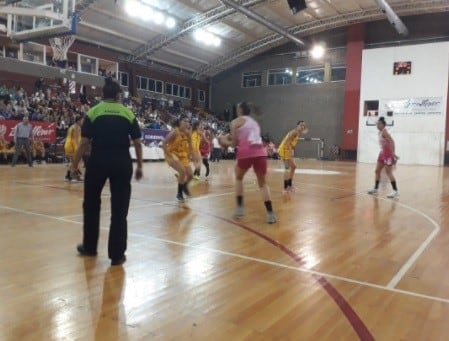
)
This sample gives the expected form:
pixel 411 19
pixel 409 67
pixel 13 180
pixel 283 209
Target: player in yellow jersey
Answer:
pixel 286 153
pixel 38 151
pixel 178 151
pixel 72 142
pixel 197 135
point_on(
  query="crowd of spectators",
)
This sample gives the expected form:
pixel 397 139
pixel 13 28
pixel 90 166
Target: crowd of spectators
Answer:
pixel 51 103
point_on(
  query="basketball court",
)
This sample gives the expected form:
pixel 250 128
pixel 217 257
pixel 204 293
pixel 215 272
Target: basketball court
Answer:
pixel 339 264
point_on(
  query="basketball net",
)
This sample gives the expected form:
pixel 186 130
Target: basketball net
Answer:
pixel 60 46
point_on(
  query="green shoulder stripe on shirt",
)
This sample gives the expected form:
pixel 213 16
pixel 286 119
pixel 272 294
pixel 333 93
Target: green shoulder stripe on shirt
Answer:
pixel 110 109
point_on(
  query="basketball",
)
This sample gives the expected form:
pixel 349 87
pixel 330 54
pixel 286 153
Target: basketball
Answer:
pixel 224 140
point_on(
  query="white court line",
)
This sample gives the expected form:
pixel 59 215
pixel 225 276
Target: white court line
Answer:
pixel 405 267
pixel 291 267
pixel 419 251
pixel 280 265
pixel 415 255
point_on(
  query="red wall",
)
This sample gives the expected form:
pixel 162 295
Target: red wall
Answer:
pixel 355 45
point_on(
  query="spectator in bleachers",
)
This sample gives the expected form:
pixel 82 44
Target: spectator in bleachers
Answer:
pixel 39 84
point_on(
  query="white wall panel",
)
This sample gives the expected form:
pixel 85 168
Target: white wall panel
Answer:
pixel 420 133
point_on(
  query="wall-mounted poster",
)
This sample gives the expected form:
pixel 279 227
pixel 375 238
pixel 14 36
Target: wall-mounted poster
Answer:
pixel 402 68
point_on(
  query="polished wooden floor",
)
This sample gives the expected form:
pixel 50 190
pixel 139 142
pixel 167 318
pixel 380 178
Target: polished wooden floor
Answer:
pixel 339 264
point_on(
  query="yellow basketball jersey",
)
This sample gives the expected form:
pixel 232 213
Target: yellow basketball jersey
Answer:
pixel 181 145
pixel 196 139
pixel 284 149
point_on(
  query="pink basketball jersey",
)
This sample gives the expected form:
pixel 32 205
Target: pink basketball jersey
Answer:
pixel 249 140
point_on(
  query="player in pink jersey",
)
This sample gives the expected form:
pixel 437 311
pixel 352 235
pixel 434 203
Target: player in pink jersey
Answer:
pixel 387 159
pixel 245 136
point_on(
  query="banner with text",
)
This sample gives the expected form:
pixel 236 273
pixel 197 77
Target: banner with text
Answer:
pixel 43 131
pixel 154 135
pixel 411 106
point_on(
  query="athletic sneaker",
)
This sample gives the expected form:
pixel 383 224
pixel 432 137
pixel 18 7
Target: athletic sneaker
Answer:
pixel 271 218
pixel 180 198
pixel 186 191
pixel 291 189
pixel 239 212
pixel 196 177
pixel 67 179
pixel 77 179
pixel 393 195
pixel 373 191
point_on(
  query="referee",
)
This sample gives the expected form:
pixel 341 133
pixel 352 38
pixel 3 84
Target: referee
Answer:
pixel 108 127
pixel 23 137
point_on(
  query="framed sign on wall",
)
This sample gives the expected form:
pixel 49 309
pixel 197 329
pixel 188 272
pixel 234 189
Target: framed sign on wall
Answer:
pixel 402 68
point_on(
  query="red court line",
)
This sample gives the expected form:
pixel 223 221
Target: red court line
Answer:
pixel 356 322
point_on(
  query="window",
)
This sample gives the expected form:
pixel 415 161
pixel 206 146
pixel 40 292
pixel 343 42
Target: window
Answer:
pixel 123 78
pixel 201 96
pixel 32 52
pixel 151 85
pixel 251 79
pixel 143 83
pixel 107 68
pixel 175 89
pixel 338 73
pixel 279 77
pixel 159 86
pixel 168 89
pixel 88 64
pixel 310 76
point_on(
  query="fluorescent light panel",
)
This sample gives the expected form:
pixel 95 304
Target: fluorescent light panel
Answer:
pixel 137 9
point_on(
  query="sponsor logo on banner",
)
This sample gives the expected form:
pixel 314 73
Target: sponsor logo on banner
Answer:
pixel 154 135
pixel 412 106
pixel 43 131
pixel 2 130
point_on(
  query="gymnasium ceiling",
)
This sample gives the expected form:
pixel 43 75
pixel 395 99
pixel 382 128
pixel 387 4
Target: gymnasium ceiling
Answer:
pixel 106 23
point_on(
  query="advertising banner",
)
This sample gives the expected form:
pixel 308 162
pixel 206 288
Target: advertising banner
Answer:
pixel 412 106
pixel 154 135
pixel 42 131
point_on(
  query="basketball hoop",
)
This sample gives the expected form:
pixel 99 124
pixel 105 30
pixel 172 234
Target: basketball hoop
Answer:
pixel 60 46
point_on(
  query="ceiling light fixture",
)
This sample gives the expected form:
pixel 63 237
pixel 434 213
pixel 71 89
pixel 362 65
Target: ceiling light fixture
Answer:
pixel 206 37
pixel 317 51
pixel 148 13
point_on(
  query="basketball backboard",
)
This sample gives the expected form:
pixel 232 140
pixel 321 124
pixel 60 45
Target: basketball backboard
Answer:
pixel 31 19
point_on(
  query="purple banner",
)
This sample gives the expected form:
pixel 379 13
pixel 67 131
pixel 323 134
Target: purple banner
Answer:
pixel 154 135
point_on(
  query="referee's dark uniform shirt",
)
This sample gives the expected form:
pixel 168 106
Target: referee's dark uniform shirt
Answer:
pixel 109 126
